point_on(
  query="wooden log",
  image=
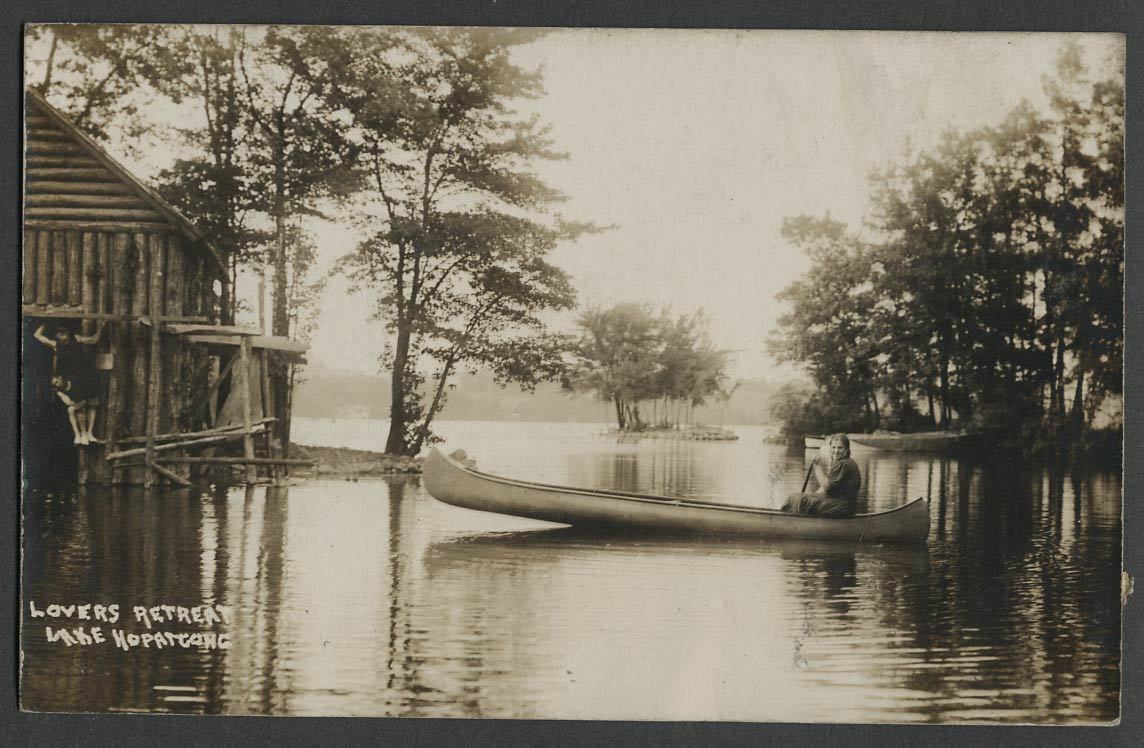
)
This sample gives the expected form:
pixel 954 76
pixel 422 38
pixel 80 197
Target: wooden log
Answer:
pixel 66 169
pixel 184 435
pixel 244 394
pixel 187 444
pixel 75 268
pixel 53 147
pixel 268 410
pixel 204 400
pixel 104 306
pixel 139 303
pixel 120 274
pixel 88 278
pixel 43 267
pixel 175 382
pixel 59 293
pixel 43 132
pixel 174 477
pixel 83 201
pixel 64 187
pixel 114 227
pixel 64 311
pixel 28 290
pixel 91 214
pixel 136 401
pixel 157 250
pixel 118 336
pixel 237 461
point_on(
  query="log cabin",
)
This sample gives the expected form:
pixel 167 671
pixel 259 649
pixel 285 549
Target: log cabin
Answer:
pixel 105 253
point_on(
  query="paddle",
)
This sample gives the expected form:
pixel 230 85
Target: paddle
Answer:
pixel 806 480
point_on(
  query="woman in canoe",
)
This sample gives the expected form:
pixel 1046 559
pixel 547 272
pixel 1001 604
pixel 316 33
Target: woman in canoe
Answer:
pixel 837 495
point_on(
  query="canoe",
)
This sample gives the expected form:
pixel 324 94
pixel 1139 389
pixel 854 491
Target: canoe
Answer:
pixel 451 482
pixel 926 441
pixel 814 442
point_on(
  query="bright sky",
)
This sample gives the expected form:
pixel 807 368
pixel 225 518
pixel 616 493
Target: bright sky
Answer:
pixel 695 145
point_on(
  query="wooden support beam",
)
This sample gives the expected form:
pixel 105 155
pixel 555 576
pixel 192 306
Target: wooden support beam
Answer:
pixel 244 384
pixel 114 227
pixel 238 461
pixel 44 200
pixel 90 214
pixel 154 351
pixel 28 292
pixel 171 475
pixel 55 147
pixel 77 312
pixel 205 401
pixel 235 428
pixel 33 187
pixel 268 409
pixel 78 167
pixel 179 445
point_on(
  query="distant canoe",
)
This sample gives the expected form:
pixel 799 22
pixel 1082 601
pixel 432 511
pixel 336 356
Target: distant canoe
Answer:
pixel 449 481
pixel 814 442
pixel 925 441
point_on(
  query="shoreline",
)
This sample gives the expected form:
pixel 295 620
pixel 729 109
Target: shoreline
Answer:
pixel 687 433
pixel 344 462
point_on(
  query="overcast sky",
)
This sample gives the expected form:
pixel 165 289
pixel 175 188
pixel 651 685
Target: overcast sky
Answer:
pixel 695 145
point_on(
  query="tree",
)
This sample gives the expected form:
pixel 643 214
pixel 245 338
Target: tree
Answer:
pixel 993 289
pixel 627 355
pixel 215 189
pixel 299 153
pixel 618 357
pixel 464 227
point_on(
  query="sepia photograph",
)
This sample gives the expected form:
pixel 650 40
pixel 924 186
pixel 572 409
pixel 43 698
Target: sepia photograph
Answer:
pixel 572 374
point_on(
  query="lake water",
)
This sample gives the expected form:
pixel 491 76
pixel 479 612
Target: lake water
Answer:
pixel 371 598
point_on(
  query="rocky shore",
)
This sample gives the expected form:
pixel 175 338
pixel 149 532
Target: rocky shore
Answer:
pixel 687 433
pixel 342 462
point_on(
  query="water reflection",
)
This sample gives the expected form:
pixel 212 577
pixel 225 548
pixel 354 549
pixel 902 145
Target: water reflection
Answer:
pixel 371 598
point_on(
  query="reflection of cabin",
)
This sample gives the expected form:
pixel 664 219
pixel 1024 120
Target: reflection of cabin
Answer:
pixel 99 246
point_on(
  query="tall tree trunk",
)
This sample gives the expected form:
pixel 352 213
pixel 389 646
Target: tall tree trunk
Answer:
pixel 395 442
pixel 47 83
pixel 1077 416
pixel 619 412
pixel 279 369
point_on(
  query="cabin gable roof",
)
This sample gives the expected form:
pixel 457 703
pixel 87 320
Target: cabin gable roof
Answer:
pixel 70 177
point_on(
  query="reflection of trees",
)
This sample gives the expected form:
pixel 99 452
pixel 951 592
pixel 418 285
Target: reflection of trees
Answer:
pixel 252 556
pixel 112 545
pixel 1003 610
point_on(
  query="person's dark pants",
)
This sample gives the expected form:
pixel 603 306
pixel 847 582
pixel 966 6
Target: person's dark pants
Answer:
pixel 817 505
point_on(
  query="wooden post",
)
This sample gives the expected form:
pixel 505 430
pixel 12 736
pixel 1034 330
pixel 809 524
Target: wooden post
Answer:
pixel 43 267
pixel 268 412
pixel 87 279
pixel 136 402
pixel 262 303
pixel 59 293
pixel 155 353
pixel 28 291
pixel 244 384
pixel 75 268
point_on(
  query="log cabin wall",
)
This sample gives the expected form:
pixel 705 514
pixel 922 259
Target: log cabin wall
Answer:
pixel 97 245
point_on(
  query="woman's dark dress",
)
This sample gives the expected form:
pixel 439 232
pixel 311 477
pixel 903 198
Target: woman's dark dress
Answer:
pixel 75 365
pixel 841 496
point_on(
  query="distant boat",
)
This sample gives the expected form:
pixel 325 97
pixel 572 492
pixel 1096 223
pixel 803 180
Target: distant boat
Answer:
pixel 923 441
pixel 814 442
pixel 451 482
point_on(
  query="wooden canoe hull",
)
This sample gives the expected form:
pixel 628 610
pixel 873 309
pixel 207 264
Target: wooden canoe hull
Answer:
pixel 452 483
pixel 932 441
